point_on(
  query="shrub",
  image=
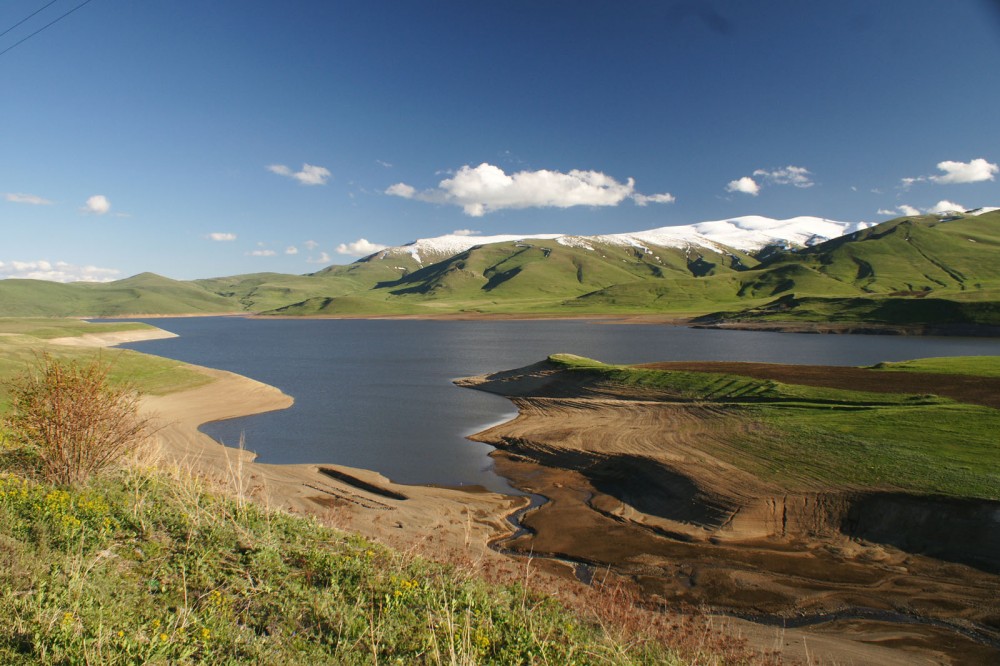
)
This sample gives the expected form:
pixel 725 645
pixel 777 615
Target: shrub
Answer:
pixel 77 422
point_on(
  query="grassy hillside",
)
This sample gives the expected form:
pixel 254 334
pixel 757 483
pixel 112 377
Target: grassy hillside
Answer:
pixel 915 255
pixel 908 271
pixel 152 567
pixel 878 275
pixel 146 293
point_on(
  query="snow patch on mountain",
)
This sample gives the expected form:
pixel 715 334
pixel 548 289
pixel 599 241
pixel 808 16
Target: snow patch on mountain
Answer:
pixel 435 249
pixel 748 234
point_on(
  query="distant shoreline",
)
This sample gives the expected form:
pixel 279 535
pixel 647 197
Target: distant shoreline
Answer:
pixel 826 328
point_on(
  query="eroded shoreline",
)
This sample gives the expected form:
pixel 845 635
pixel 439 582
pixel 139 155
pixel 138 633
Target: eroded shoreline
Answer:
pixel 687 527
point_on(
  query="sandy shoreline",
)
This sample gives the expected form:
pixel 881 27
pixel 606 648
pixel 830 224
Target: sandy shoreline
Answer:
pixel 460 521
pixel 359 500
pixel 111 339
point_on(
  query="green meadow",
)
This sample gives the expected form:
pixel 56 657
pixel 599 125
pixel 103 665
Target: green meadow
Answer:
pixel 807 436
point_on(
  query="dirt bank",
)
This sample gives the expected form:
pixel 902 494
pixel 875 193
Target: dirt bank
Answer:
pixel 879 569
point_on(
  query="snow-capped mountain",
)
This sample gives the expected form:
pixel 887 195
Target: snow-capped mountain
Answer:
pixel 749 233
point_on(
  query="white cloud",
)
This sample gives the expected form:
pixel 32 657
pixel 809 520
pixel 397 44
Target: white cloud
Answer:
pixel 956 173
pixel 790 175
pixel 311 244
pixel 487 188
pixel 465 232
pixel 291 249
pixel 643 199
pixel 59 271
pixel 32 199
pixel 261 253
pixel 746 185
pixel 97 205
pixel 359 248
pixel 402 190
pixel 309 175
pixel 945 206
pixel 960 172
pixel 323 258
pixel 383 163
pixel 942 206
pixel 221 236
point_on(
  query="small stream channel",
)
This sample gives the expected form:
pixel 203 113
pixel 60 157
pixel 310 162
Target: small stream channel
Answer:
pixel 584 572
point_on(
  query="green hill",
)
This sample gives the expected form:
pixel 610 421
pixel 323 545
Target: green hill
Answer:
pixel 909 271
pixel 145 293
pixel 912 270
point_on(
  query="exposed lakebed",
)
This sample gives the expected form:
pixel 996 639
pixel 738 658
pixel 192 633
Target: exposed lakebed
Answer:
pixel 378 394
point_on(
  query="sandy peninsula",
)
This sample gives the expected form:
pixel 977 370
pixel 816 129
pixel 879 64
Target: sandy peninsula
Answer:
pixel 110 339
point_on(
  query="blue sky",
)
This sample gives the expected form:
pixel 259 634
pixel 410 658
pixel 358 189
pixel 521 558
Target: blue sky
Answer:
pixel 198 139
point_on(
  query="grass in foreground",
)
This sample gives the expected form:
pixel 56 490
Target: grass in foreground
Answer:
pixel 146 567
pixel 804 436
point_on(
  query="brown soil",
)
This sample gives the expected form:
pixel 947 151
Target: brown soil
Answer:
pixel 637 488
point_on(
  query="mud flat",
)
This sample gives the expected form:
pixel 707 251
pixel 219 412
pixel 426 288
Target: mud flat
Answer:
pixel 643 486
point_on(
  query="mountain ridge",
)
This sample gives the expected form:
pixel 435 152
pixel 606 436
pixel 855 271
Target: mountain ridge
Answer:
pixel 749 270
pixel 748 233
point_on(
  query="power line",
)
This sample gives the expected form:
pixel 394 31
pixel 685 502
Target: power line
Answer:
pixel 28 17
pixel 47 25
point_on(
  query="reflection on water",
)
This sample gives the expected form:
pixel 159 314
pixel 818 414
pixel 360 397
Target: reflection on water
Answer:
pixel 377 394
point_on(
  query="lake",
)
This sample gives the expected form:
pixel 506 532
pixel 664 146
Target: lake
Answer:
pixel 377 394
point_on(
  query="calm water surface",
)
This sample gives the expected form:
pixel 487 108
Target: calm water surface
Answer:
pixel 377 394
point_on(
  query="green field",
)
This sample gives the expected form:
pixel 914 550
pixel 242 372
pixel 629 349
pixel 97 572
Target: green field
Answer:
pixel 23 340
pixel 974 366
pixel 922 444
